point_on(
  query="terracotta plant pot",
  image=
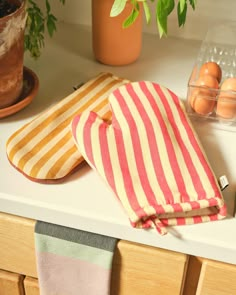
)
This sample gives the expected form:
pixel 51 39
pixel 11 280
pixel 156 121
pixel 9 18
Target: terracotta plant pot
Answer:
pixel 112 44
pixel 11 54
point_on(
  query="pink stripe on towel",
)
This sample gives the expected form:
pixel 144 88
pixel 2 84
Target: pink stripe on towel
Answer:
pixel 69 276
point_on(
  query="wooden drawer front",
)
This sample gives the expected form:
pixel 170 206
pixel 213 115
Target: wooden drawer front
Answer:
pixel 11 283
pixel 217 278
pixel 31 286
pixel 17 252
pixel 139 269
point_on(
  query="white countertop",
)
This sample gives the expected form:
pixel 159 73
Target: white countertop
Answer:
pixel 84 201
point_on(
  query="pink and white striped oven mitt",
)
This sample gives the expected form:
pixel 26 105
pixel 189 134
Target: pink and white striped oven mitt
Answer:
pixel 151 158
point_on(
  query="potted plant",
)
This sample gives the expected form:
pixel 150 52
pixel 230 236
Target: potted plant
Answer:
pixel 38 21
pixel 22 26
pixel 108 45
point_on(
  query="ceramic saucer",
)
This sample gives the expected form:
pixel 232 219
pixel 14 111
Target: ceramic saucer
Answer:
pixel 30 89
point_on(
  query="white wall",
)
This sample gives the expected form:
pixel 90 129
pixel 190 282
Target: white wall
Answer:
pixel 208 13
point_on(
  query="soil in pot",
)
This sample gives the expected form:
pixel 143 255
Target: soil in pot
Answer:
pixel 7 8
pixel 11 51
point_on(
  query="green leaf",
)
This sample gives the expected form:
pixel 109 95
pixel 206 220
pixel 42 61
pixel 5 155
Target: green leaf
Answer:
pixel 161 17
pixel 182 4
pixel 182 15
pixel 193 3
pixel 131 18
pixel 147 12
pixel 168 5
pixel 51 25
pixel 117 7
pixel 48 6
pixel 38 23
pixel 163 9
pixel 53 17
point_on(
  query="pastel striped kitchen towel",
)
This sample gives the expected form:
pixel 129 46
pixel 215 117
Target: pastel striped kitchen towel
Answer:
pixel 43 150
pixel 71 261
pixel 151 158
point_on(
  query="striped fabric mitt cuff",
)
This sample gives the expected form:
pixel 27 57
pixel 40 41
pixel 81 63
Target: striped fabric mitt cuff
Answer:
pixel 151 158
pixel 43 149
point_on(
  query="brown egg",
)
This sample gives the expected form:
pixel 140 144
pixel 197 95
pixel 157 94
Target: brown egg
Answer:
pixel 203 97
pixel 211 68
pixel 226 105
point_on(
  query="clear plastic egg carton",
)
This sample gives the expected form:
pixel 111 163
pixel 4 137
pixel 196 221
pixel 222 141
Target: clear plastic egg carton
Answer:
pixel 208 99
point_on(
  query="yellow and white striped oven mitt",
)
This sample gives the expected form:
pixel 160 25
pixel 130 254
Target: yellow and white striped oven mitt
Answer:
pixel 44 150
pixel 151 158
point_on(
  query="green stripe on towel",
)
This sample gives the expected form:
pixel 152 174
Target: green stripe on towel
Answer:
pixel 73 250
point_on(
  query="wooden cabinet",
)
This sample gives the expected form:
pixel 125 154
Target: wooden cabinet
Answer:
pixel 208 277
pixel 137 269
pixel 217 278
pixel 17 253
pixel 11 283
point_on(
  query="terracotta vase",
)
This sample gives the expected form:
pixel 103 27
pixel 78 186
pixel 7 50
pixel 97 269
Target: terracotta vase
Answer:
pixel 11 54
pixel 112 44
